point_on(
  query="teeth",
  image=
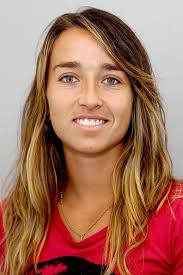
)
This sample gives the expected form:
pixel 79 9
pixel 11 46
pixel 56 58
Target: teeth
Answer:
pixel 90 122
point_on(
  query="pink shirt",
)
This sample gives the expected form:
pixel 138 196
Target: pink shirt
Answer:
pixel 161 253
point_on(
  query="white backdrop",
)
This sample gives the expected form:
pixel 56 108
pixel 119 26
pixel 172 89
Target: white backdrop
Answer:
pixel 157 23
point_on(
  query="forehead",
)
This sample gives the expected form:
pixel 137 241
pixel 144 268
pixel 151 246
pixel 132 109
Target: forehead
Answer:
pixel 78 44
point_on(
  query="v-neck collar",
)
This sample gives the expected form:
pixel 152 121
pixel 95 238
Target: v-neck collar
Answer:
pixel 91 240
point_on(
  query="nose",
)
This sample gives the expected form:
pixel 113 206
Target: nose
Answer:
pixel 90 96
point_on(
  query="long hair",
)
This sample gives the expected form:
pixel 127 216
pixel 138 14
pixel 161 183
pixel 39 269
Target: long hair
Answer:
pixel 141 178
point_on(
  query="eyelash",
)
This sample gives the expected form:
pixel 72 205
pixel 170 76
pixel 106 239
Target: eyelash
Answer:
pixel 60 80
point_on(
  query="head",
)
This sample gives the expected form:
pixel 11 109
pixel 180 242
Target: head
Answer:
pixel 83 80
pixel 87 36
pixel 138 113
pixel 118 45
pixel 133 106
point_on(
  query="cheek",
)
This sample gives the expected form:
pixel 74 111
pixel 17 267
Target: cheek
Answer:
pixel 123 118
pixel 57 104
pixel 124 110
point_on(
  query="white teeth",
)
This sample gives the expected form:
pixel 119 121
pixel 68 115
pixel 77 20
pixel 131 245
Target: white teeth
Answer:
pixel 90 122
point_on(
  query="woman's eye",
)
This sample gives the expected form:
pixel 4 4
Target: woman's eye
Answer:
pixel 112 81
pixel 70 79
pixel 67 79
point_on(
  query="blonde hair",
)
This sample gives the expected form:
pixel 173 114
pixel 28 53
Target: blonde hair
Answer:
pixel 141 178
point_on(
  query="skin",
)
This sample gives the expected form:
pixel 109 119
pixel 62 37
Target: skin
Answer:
pixel 90 156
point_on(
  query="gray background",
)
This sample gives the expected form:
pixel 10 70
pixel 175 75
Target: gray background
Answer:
pixel 157 23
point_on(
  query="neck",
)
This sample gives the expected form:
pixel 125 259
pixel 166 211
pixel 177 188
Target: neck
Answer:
pixel 89 178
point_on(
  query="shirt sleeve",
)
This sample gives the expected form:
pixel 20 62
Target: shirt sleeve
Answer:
pixel 177 238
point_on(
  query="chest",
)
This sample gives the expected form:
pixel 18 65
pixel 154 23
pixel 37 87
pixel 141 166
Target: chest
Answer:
pixel 83 224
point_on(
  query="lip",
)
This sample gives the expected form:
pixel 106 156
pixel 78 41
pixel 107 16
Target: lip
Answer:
pixel 90 129
pixel 91 116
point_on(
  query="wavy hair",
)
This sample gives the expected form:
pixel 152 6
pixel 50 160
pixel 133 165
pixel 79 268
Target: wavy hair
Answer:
pixel 142 176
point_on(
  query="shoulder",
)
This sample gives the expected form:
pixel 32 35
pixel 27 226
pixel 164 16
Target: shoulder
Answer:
pixel 173 205
pixel 176 236
pixel 168 217
pixel 166 230
pixel 175 200
pixel 176 190
pixel 2 247
pixel 2 206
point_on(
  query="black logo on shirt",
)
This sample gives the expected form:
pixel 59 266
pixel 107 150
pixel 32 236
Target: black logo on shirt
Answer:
pixel 68 265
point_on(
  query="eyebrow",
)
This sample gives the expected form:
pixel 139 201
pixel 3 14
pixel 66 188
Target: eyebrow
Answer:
pixel 77 65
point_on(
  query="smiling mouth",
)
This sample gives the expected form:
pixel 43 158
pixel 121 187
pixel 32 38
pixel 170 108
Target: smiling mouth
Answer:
pixel 90 122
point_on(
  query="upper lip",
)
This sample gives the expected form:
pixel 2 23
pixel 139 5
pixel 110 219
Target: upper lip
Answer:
pixel 90 116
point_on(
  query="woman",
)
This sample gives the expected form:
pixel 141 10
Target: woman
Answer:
pixel 94 192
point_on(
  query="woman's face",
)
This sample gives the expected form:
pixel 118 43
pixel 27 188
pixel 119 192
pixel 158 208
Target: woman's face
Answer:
pixel 86 86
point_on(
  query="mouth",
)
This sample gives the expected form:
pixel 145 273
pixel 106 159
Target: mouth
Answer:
pixel 90 122
pixel 90 125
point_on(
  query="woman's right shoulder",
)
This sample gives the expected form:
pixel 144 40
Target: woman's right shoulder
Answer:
pixel 3 204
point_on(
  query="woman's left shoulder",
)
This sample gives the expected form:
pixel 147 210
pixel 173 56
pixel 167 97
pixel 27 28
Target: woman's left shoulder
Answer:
pixel 176 188
pixel 175 197
pixel 171 209
pixel 176 232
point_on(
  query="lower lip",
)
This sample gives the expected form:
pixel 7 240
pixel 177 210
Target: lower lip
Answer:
pixel 91 128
